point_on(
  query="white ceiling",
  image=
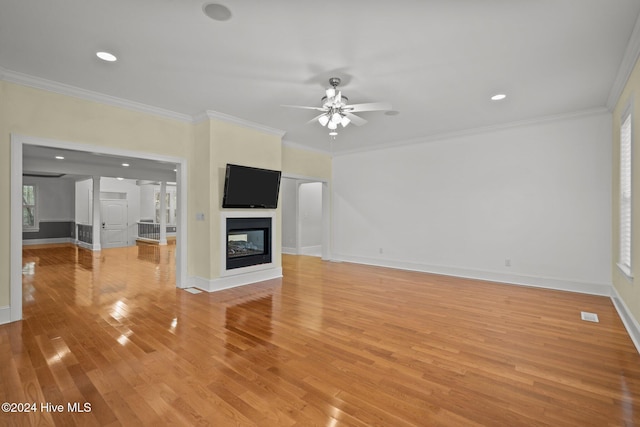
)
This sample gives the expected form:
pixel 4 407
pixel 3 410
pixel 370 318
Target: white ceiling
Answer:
pixel 436 61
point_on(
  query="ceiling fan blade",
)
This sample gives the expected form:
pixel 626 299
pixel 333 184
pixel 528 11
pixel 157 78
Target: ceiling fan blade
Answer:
pixel 369 106
pixel 315 119
pixel 305 107
pixel 358 121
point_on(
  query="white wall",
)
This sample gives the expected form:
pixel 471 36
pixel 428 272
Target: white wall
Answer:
pixel 54 198
pixel 310 213
pixel 537 195
pixel 147 202
pixel 82 202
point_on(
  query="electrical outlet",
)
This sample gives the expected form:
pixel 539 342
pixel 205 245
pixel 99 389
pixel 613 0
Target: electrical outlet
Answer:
pixel 381 251
pixel 507 262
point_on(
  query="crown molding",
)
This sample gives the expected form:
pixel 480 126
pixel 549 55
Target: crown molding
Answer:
pixel 210 114
pixel 631 55
pixel 76 92
pixel 480 130
pixel 68 90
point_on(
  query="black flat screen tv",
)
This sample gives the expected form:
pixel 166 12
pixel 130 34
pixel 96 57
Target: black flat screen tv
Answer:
pixel 248 187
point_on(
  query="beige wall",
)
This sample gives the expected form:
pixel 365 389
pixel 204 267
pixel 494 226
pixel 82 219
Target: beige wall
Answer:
pixel 39 113
pixel 247 147
pixel 627 288
pixel 198 201
pixel 207 146
pixel 298 162
pixel 5 191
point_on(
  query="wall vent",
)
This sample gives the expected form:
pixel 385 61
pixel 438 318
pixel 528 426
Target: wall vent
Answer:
pixel 193 290
pixel 589 317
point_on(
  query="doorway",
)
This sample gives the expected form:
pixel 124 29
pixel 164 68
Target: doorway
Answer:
pixel 18 142
pixel 305 217
pixel 114 229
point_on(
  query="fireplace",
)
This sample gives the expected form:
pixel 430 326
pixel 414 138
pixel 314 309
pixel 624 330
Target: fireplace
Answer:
pixel 248 242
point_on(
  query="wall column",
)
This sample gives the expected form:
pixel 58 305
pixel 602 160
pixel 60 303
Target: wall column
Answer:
pixel 96 220
pixel 163 213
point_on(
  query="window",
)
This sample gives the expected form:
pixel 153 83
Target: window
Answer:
pixel 170 205
pixel 29 211
pixel 625 195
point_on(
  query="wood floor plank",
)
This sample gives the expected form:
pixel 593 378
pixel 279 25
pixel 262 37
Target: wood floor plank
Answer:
pixel 328 344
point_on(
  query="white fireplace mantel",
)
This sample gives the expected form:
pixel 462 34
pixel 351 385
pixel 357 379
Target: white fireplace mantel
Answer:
pixel 244 275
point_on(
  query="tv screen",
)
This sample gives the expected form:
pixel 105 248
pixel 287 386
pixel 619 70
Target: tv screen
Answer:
pixel 247 187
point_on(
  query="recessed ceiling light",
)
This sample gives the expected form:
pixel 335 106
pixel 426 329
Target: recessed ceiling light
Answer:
pixel 217 12
pixel 498 97
pixel 119 179
pixel 175 170
pixel 106 56
pixel 126 165
pixel 60 157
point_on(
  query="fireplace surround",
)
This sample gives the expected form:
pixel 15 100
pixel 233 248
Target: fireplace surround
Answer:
pixel 238 276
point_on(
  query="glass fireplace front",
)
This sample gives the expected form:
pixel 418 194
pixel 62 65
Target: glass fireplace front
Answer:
pixel 245 242
pixel 248 242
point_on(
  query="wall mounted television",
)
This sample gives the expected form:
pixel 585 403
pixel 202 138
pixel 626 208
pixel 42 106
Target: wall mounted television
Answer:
pixel 249 187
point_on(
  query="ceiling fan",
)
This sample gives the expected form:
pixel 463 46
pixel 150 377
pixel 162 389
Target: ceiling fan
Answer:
pixel 335 110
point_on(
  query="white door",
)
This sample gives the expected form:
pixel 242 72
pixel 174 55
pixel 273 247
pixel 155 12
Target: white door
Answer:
pixel 113 232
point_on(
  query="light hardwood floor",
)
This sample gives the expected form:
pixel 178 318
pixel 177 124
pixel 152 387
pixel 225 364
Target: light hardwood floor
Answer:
pixel 331 344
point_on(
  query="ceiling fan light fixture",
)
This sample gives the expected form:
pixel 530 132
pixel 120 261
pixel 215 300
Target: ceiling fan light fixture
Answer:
pixel 336 109
pixel 323 120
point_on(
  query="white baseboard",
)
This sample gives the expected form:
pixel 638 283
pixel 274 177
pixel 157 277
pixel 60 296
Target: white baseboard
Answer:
pixel 89 246
pixel 630 323
pixel 198 282
pixel 305 250
pixel 603 289
pixel 5 314
pixel 221 283
pixel 311 250
pixel 58 240
pixel 83 245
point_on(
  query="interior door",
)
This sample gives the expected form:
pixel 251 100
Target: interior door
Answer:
pixel 113 232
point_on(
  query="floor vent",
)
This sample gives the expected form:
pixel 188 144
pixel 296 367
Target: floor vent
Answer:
pixel 589 317
pixel 193 290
